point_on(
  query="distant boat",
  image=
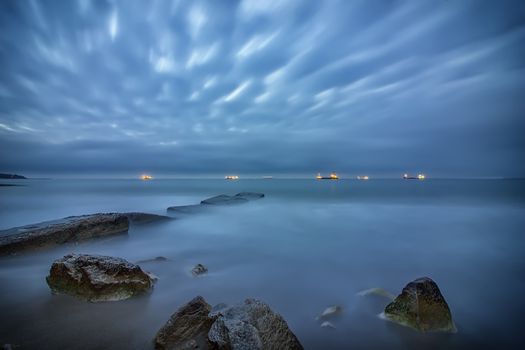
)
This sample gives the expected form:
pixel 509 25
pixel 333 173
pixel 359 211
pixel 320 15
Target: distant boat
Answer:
pixel 267 177
pixel 332 176
pixel 418 177
pixel 365 177
pixel 231 177
pixel 146 177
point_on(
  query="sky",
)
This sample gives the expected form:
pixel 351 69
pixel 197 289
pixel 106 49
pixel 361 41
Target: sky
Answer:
pixel 182 88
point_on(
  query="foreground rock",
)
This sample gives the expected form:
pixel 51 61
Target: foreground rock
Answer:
pixel 187 328
pixel 70 229
pixel 97 278
pixel 223 199
pixel 251 325
pixel 422 307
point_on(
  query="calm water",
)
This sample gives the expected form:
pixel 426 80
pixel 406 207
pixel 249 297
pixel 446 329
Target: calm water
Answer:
pixel 308 245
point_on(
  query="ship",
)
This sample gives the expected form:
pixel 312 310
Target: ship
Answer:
pixel 146 177
pixel 365 177
pixel 231 177
pixel 332 176
pixel 418 177
pixel 269 177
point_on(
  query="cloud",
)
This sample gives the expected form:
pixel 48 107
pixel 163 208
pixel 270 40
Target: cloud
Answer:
pixel 287 86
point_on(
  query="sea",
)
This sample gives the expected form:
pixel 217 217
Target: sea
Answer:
pixel 307 245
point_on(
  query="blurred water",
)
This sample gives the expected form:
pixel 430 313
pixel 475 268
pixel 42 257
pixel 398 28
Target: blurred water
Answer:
pixel 307 245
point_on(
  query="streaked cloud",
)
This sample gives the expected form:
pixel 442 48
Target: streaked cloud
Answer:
pixel 252 86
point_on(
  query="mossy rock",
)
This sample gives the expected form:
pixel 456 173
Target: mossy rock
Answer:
pixel 422 307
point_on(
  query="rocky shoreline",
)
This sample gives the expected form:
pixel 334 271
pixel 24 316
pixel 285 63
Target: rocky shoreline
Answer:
pixel 196 325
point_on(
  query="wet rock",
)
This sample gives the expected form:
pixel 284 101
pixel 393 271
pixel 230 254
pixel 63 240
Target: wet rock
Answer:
pixel 251 325
pixel 206 204
pixel 327 324
pixel 199 269
pixel 380 292
pixel 251 196
pixel 330 311
pixel 239 198
pixel 422 307
pixel 70 229
pixel 187 209
pixel 156 259
pixel 144 218
pixel 97 278
pixel 224 200
pixel 187 328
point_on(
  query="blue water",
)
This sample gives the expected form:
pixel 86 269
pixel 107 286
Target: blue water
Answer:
pixel 307 245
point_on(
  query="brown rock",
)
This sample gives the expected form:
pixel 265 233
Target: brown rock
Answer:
pixel 70 229
pixel 422 307
pixel 187 328
pixel 97 278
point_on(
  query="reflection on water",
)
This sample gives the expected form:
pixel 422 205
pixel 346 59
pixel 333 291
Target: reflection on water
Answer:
pixel 306 246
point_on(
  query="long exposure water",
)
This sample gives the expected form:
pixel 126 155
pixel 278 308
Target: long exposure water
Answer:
pixel 307 245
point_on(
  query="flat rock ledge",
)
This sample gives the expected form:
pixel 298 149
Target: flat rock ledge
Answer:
pixel 251 325
pixel 97 278
pixel 222 200
pixel 70 229
pixel 422 307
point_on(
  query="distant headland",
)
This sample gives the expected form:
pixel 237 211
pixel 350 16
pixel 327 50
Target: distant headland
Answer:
pixel 11 176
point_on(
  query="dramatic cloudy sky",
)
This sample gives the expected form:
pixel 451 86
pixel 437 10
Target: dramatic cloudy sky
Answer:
pixel 262 87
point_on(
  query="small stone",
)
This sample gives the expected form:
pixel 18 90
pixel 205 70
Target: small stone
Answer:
pixel 199 269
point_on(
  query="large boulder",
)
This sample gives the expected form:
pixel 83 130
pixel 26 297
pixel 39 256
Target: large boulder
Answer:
pixel 251 325
pixel 70 229
pixel 422 307
pixel 97 278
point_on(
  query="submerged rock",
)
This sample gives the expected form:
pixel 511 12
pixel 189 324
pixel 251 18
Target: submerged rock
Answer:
pixel 251 325
pixel 327 324
pixel 239 198
pixel 330 311
pixel 380 292
pixel 206 204
pixel 187 328
pixel 70 229
pixel 199 269
pixel 144 218
pixel 156 259
pixel 97 278
pixel 187 209
pixel 422 307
